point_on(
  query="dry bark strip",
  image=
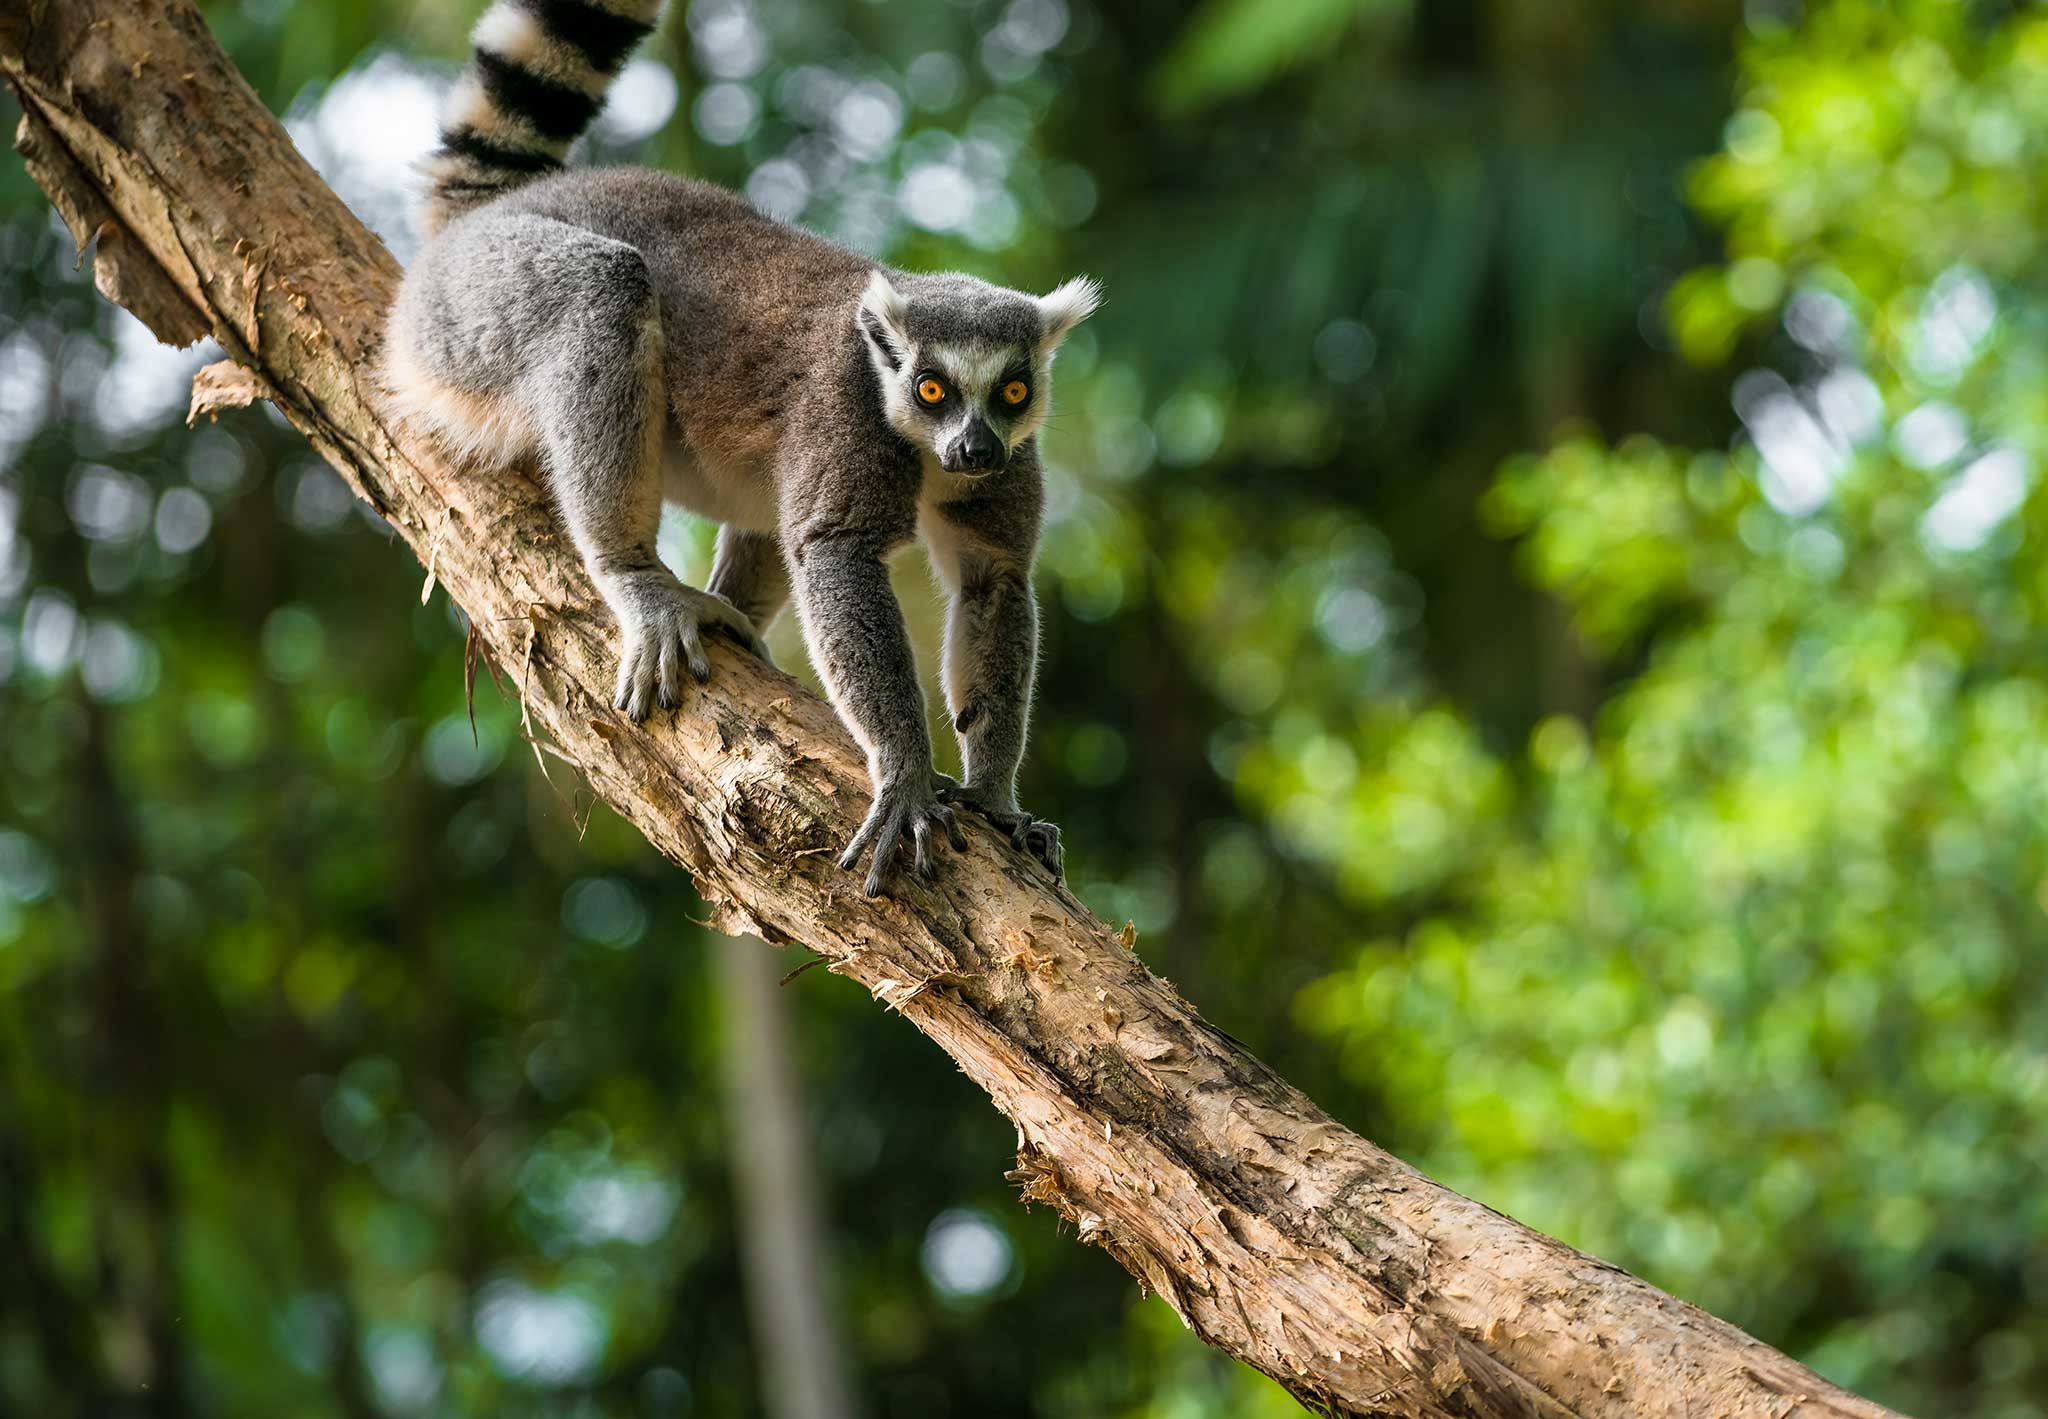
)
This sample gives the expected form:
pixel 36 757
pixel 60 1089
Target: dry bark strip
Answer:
pixel 1278 1235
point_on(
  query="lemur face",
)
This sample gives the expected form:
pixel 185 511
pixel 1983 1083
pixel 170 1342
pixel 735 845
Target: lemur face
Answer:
pixel 973 403
pixel 966 367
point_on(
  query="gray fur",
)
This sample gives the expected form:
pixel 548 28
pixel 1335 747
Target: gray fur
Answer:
pixel 650 337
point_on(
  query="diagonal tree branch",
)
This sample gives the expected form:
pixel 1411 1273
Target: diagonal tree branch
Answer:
pixel 1277 1235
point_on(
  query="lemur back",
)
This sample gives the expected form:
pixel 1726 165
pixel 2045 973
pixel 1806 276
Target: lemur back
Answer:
pixel 647 335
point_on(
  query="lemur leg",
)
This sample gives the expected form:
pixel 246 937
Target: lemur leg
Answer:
pixel 982 548
pixel 748 571
pixel 605 411
pixel 554 332
pixel 862 652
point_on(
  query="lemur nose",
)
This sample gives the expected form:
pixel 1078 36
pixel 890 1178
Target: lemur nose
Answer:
pixel 979 446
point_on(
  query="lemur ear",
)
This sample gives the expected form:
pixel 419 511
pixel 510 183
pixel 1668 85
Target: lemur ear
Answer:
pixel 1067 306
pixel 881 320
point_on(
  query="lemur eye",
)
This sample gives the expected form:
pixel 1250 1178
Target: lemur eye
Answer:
pixel 930 390
pixel 1016 392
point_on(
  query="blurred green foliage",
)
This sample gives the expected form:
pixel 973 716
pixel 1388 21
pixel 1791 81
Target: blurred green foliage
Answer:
pixel 1643 835
pixel 1752 998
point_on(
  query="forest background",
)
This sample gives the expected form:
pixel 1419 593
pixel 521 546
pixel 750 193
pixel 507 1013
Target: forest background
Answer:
pixel 1544 583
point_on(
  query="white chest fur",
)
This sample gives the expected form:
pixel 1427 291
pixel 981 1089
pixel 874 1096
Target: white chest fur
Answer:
pixel 944 541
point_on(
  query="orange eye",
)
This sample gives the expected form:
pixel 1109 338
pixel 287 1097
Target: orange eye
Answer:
pixel 1016 392
pixel 930 390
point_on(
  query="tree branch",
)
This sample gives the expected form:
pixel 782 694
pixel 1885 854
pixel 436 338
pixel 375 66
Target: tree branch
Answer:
pixel 1278 1235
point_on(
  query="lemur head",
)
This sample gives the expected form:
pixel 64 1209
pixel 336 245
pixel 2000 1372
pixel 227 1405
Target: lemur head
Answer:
pixel 966 367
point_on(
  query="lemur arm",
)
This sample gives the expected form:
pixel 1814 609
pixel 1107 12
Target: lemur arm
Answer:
pixel 861 648
pixel 982 547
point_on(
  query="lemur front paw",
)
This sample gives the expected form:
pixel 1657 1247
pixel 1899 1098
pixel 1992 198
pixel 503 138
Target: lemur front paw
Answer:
pixel 662 624
pixel 903 805
pixel 1036 836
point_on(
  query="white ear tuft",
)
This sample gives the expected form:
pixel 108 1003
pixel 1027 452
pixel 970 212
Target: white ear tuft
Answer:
pixel 1069 304
pixel 881 316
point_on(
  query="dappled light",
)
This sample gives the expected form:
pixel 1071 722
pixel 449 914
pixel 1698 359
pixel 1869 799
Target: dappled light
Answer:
pixel 1544 595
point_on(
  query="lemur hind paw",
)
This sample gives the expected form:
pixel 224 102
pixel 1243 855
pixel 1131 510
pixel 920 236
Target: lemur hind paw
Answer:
pixel 1036 836
pixel 904 806
pixel 662 624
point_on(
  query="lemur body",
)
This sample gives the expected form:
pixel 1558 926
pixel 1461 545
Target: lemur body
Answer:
pixel 651 337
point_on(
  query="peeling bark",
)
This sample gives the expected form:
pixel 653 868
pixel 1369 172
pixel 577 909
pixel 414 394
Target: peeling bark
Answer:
pixel 1275 1233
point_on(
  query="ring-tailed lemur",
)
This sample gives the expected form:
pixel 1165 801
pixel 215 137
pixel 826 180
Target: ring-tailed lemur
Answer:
pixel 650 337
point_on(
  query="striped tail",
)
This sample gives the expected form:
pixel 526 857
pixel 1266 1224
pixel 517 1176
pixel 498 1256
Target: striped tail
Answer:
pixel 535 82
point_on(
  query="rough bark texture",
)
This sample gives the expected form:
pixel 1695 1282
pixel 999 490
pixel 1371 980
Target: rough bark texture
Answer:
pixel 1278 1235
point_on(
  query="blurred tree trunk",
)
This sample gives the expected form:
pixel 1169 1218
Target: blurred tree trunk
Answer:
pixel 134 1216
pixel 1275 1233
pixel 775 1193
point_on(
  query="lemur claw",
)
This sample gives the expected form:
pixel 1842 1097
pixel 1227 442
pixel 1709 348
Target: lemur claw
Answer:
pixel 1037 836
pixel 663 624
pixel 900 808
